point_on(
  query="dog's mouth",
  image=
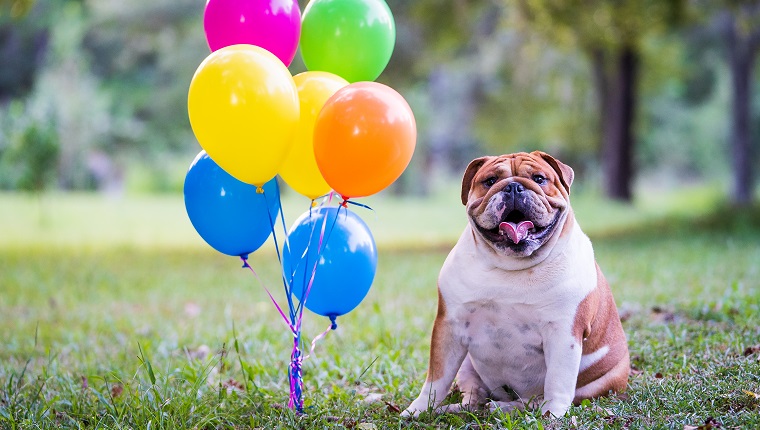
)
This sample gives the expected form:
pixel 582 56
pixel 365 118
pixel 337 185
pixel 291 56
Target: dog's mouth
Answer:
pixel 516 230
pixel 516 226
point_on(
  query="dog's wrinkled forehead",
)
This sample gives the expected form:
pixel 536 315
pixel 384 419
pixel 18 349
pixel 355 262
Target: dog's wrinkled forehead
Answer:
pixel 507 166
pixel 519 165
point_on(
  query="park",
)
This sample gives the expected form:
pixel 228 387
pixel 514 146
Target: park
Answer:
pixel 122 307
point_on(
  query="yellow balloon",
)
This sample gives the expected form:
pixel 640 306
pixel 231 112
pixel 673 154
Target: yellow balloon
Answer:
pixel 243 108
pixel 300 169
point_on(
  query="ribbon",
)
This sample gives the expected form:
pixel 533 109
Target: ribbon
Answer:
pixel 294 318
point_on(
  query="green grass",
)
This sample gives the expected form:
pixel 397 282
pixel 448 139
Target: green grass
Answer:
pixel 108 306
pixel 96 221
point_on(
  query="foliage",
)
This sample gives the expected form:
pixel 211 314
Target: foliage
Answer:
pixel 600 24
pixel 681 124
pixel 23 40
pixel 15 8
pixel 34 155
pixel 66 99
pixel 544 100
pixel 145 56
pixel 479 76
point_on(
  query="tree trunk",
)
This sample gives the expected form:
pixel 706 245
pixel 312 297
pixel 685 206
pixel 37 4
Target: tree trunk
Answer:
pixel 742 50
pixel 616 77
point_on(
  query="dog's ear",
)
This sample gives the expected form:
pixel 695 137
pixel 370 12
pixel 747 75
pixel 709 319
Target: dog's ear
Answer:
pixel 565 172
pixel 469 174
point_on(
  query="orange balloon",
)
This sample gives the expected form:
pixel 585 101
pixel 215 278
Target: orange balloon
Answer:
pixel 364 138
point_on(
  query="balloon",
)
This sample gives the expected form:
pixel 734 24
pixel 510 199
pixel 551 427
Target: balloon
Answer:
pixel 352 38
pixel 243 108
pixel 274 25
pixel 228 214
pixel 346 262
pixel 364 138
pixel 300 169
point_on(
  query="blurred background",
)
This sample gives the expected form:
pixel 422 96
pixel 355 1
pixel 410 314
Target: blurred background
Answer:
pixel 634 94
pixel 654 103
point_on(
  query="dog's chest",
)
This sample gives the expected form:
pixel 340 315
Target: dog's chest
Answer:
pixel 504 342
pixel 492 326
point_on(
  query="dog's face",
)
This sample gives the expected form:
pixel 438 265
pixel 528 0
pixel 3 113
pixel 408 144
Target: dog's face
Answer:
pixel 517 202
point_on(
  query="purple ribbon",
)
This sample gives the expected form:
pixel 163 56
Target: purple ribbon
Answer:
pixel 295 318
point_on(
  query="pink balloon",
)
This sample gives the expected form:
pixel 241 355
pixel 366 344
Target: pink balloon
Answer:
pixel 274 25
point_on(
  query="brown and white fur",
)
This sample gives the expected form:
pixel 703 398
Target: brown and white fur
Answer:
pixel 527 323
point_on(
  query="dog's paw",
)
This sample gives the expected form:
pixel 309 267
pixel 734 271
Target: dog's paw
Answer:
pixel 494 406
pixel 553 409
pixel 415 409
pixel 454 408
pixel 410 413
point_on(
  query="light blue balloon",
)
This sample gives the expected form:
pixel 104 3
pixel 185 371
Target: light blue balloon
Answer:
pixel 346 264
pixel 229 214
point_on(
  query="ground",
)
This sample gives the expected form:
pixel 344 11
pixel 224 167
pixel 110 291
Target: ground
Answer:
pixel 115 314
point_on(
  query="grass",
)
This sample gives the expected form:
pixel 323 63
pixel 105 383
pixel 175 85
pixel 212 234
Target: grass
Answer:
pixel 114 314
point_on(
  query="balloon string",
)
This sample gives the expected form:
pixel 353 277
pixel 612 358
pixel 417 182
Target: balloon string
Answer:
pixel 306 251
pixel 330 194
pixel 286 244
pixel 347 202
pixel 285 282
pixel 295 376
pixel 294 323
pixel 296 361
pixel 279 309
pixel 282 215
pixel 322 238
pixel 333 326
pixel 305 259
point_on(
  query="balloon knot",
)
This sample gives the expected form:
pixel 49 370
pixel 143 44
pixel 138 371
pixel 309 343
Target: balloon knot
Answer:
pixel 259 190
pixel 313 203
pixel 344 203
pixel 333 325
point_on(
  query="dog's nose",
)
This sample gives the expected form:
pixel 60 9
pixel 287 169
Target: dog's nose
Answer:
pixel 514 188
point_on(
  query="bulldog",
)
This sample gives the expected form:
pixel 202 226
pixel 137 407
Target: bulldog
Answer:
pixel 525 316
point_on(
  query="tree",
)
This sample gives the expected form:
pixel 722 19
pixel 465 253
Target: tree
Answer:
pixel 15 8
pixel 736 23
pixel 34 156
pixel 437 64
pixel 479 82
pixel 742 36
pixel 610 33
pixel 23 44
pixel 146 54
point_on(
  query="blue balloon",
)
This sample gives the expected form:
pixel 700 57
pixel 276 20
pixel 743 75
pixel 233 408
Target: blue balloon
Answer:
pixel 229 214
pixel 346 263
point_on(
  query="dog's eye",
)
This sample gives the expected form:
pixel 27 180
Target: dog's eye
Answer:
pixel 539 179
pixel 488 183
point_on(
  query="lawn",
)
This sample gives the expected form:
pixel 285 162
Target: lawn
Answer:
pixel 115 314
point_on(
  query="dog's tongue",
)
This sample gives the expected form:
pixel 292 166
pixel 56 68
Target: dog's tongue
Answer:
pixel 516 232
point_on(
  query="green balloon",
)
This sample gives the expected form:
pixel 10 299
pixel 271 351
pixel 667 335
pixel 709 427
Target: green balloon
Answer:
pixel 351 38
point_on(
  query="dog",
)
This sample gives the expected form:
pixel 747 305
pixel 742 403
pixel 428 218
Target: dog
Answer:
pixel 525 315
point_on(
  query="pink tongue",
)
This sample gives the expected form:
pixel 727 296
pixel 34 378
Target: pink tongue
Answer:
pixel 516 232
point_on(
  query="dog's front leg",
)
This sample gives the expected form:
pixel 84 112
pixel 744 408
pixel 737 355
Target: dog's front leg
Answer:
pixel 446 355
pixel 563 357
